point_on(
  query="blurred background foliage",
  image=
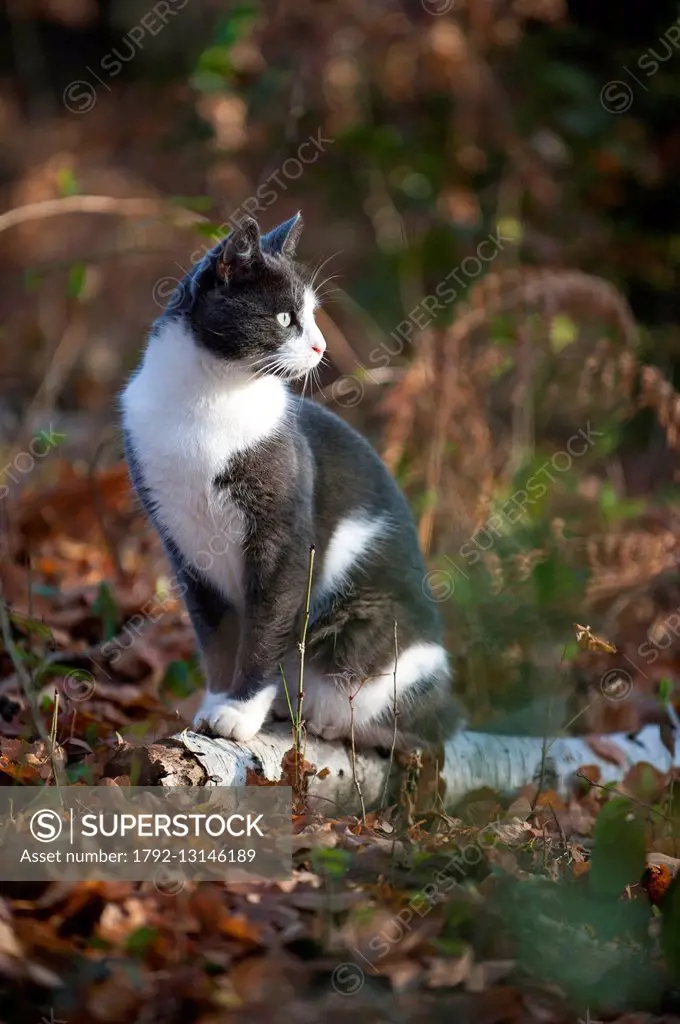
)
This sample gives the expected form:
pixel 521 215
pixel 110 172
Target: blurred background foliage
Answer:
pixel 553 126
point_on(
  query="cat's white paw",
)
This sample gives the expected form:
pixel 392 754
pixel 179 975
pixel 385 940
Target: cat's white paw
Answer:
pixel 333 733
pixel 330 733
pixel 240 720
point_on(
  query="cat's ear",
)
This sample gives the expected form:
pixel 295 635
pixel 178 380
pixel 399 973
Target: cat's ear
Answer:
pixel 240 250
pixel 283 239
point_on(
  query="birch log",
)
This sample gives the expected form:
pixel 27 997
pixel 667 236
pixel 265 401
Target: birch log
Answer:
pixel 472 760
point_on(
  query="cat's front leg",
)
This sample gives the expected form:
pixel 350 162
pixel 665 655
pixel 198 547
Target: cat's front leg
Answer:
pixel 269 632
pixel 216 626
pixel 233 706
pixel 243 674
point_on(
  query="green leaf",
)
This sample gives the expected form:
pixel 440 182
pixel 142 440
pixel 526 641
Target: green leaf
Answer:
pixel 216 59
pixel 180 679
pixel 619 854
pixel 237 24
pixel 46 672
pixel 207 81
pixel 141 940
pixel 562 332
pixel 106 608
pixel 91 733
pixel 31 627
pixel 196 203
pixel 613 507
pixel 451 947
pixel 76 280
pixel 212 231
pixel 66 182
pixel 510 228
pixel 80 772
pixel 331 863
pixel 665 690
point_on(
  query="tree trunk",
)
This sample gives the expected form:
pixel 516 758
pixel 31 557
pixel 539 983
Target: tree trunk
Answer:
pixel 472 760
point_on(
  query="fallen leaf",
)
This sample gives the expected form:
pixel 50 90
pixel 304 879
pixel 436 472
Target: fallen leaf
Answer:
pixel 587 641
pixel 656 880
pixel 645 782
pixel 607 750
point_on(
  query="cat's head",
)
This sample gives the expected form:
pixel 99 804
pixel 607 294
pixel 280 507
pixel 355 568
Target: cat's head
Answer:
pixel 249 305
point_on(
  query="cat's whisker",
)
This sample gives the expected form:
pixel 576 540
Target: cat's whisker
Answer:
pixel 316 379
pixel 274 367
pixel 302 396
pixel 264 359
pixel 331 277
pixel 331 291
pixel 321 266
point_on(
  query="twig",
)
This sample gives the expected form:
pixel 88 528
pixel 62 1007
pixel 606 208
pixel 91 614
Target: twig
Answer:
pixel 626 796
pixel 53 730
pixel 546 747
pixel 25 679
pixel 560 830
pixel 293 720
pixel 302 646
pixel 62 360
pixel 99 510
pixel 395 713
pixel 357 785
pixel 545 850
pixel 98 204
pixel 675 724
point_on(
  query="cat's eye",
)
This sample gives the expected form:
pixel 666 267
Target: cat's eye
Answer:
pixel 284 319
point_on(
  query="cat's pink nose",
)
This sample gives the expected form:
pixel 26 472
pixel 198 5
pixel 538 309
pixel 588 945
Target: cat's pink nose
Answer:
pixel 319 347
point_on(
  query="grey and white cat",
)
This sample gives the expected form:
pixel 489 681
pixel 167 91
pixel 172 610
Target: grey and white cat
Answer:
pixel 240 477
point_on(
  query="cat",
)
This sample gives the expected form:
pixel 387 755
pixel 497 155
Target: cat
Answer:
pixel 241 477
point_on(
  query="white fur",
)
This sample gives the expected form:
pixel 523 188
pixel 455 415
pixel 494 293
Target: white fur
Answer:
pixel 351 540
pixel 235 719
pixel 326 706
pixel 297 355
pixel 188 415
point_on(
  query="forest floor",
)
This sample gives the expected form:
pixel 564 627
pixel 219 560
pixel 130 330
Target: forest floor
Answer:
pixel 544 908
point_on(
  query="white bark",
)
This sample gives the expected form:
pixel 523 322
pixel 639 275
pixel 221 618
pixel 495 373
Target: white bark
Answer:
pixel 473 760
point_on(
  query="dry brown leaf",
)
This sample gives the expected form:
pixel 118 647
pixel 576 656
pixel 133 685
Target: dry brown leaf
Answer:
pixel 590 772
pixel 645 782
pixel 9 943
pixel 587 641
pixel 237 926
pixel 607 750
pixel 319 840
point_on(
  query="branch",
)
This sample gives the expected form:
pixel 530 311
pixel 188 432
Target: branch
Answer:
pixel 472 760
pixel 99 204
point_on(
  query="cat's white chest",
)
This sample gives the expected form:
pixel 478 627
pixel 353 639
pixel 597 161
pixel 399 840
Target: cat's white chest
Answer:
pixel 187 422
